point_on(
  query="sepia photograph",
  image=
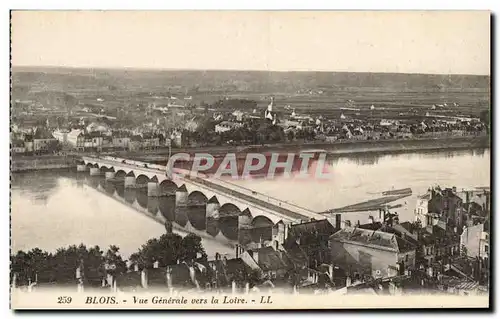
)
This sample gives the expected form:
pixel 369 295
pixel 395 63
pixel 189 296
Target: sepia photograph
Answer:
pixel 176 160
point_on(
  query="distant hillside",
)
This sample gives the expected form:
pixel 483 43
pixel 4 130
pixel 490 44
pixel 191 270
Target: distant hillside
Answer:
pixel 69 79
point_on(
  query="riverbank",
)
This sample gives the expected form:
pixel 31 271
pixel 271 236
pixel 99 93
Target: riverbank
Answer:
pixel 44 162
pixel 337 148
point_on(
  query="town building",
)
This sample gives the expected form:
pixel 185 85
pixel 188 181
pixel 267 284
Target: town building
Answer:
pixel 312 237
pixel 475 241
pixel 61 135
pixel 76 139
pixel 375 254
pixel 440 204
pixel 226 126
pixel 17 146
pixel 43 141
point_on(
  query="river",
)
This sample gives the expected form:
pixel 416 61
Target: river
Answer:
pixel 51 209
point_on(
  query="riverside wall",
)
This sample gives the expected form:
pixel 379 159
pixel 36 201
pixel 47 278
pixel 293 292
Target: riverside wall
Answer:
pixel 34 163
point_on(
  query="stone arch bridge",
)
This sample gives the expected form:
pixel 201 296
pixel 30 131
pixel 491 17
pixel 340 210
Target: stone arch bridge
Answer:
pixel 200 202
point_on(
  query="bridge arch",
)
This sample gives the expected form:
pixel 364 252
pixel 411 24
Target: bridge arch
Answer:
pixel 228 220
pixel 142 179
pixel 120 174
pixel 261 221
pixel 197 210
pixel 105 168
pixel 168 187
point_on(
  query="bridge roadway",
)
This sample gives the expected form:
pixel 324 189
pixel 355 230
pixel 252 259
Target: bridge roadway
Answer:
pixel 217 185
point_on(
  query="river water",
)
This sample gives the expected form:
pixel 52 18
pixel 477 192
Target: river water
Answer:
pixel 52 209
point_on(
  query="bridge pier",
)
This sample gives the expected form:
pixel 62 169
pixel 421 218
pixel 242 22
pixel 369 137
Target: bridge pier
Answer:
pixel 129 181
pixel 153 189
pixel 109 175
pixel 181 206
pixel 212 216
pixel 95 171
pixel 81 168
pixel 245 219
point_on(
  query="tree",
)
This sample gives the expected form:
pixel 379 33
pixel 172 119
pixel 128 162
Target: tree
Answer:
pixel 114 264
pixel 485 117
pixel 190 247
pixel 164 250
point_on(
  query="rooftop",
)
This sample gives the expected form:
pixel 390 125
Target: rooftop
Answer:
pixel 374 238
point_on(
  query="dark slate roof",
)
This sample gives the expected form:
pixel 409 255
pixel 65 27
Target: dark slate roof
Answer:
pixel 296 255
pixel 270 259
pixel 182 188
pixel 321 226
pixel 371 238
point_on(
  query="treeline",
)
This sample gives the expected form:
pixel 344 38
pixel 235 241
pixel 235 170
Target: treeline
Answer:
pixel 250 133
pixel 94 263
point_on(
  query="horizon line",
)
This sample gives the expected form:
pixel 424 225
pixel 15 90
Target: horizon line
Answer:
pixel 231 70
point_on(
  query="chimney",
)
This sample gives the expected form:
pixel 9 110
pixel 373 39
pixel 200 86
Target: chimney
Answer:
pixel 136 267
pixel 233 287
pixel 338 221
pixel 247 288
pixel 169 277
pixel 144 279
pixel 454 189
pixel 237 251
pixel 348 281
pixel 371 219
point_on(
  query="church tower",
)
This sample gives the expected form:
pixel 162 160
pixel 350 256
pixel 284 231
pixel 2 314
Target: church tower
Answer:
pixel 269 114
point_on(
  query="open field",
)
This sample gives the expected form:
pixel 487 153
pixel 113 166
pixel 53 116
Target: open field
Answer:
pixel 316 93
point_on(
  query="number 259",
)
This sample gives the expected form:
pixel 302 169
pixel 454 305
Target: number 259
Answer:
pixel 64 299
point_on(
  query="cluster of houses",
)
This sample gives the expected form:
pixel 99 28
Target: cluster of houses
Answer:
pixel 353 127
pixel 34 141
pixel 94 137
pixel 446 249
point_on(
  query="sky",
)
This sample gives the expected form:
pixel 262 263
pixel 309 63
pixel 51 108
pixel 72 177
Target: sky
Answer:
pixel 445 42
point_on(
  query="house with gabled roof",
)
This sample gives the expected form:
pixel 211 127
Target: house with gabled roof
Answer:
pixel 372 253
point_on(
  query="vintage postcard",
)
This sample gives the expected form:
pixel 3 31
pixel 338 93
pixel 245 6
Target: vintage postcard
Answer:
pixel 250 159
